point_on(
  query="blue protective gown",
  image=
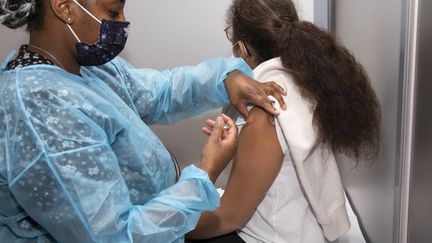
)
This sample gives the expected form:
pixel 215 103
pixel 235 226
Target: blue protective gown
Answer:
pixel 79 163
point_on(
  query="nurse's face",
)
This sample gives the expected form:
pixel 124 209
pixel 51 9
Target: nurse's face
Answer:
pixel 85 26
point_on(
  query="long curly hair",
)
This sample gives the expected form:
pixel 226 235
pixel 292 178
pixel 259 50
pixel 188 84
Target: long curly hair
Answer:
pixel 347 113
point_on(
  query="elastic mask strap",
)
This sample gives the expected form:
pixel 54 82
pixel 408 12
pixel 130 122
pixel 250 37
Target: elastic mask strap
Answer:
pixel 73 32
pixel 88 12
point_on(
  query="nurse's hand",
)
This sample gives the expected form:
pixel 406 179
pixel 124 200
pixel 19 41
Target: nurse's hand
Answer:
pixel 220 147
pixel 243 90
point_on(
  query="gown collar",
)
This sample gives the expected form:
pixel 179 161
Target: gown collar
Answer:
pixel 6 61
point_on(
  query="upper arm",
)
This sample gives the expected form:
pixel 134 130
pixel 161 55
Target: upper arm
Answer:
pixel 256 166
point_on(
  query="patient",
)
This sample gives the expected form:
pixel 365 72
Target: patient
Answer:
pixel 285 184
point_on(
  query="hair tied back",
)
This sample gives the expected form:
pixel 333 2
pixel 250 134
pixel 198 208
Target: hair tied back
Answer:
pixel 287 19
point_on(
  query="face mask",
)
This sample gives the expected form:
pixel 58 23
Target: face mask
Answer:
pixel 112 40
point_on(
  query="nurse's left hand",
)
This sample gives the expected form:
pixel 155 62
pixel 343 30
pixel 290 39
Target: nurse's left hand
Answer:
pixel 243 90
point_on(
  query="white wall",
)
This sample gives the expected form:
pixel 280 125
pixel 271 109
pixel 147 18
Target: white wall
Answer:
pixel 11 39
pixel 305 9
pixel 187 31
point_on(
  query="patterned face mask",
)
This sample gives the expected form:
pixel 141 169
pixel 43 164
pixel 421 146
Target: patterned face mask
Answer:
pixel 112 40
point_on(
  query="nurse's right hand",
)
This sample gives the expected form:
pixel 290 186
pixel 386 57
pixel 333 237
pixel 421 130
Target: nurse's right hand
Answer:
pixel 220 147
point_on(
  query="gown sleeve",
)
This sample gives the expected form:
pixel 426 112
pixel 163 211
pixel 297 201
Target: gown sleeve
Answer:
pixel 66 177
pixel 165 97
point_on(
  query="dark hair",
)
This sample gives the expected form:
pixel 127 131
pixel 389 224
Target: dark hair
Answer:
pixel 18 13
pixel 347 112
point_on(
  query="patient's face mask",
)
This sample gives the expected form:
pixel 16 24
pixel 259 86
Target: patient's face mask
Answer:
pixel 112 40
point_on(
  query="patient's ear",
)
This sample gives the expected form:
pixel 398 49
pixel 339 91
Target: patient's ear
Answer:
pixel 240 50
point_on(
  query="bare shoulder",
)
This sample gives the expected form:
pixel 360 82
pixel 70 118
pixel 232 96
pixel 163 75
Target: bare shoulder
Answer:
pixel 258 141
pixel 259 120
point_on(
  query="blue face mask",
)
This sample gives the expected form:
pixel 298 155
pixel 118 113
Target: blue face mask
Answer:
pixel 112 40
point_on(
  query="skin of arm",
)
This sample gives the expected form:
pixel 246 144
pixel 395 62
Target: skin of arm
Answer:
pixel 256 165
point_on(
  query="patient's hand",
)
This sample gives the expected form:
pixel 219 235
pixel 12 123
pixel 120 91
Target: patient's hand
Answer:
pixel 220 147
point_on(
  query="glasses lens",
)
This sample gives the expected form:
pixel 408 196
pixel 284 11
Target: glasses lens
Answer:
pixel 229 33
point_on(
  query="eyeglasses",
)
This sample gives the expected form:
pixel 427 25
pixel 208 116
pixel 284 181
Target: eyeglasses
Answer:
pixel 229 33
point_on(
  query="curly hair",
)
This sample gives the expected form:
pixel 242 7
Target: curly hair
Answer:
pixel 18 13
pixel 347 113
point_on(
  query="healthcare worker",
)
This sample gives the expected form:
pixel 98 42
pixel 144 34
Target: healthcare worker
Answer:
pixel 78 162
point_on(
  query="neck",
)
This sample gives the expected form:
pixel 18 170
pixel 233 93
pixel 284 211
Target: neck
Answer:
pixel 251 62
pixel 56 48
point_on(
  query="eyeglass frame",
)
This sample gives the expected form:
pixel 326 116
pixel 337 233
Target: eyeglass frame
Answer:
pixel 229 34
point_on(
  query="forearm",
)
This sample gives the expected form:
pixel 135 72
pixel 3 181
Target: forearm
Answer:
pixel 171 95
pixel 235 211
pixel 212 224
pixel 174 212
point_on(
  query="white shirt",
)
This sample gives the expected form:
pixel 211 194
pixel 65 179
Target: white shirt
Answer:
pixel 286 214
